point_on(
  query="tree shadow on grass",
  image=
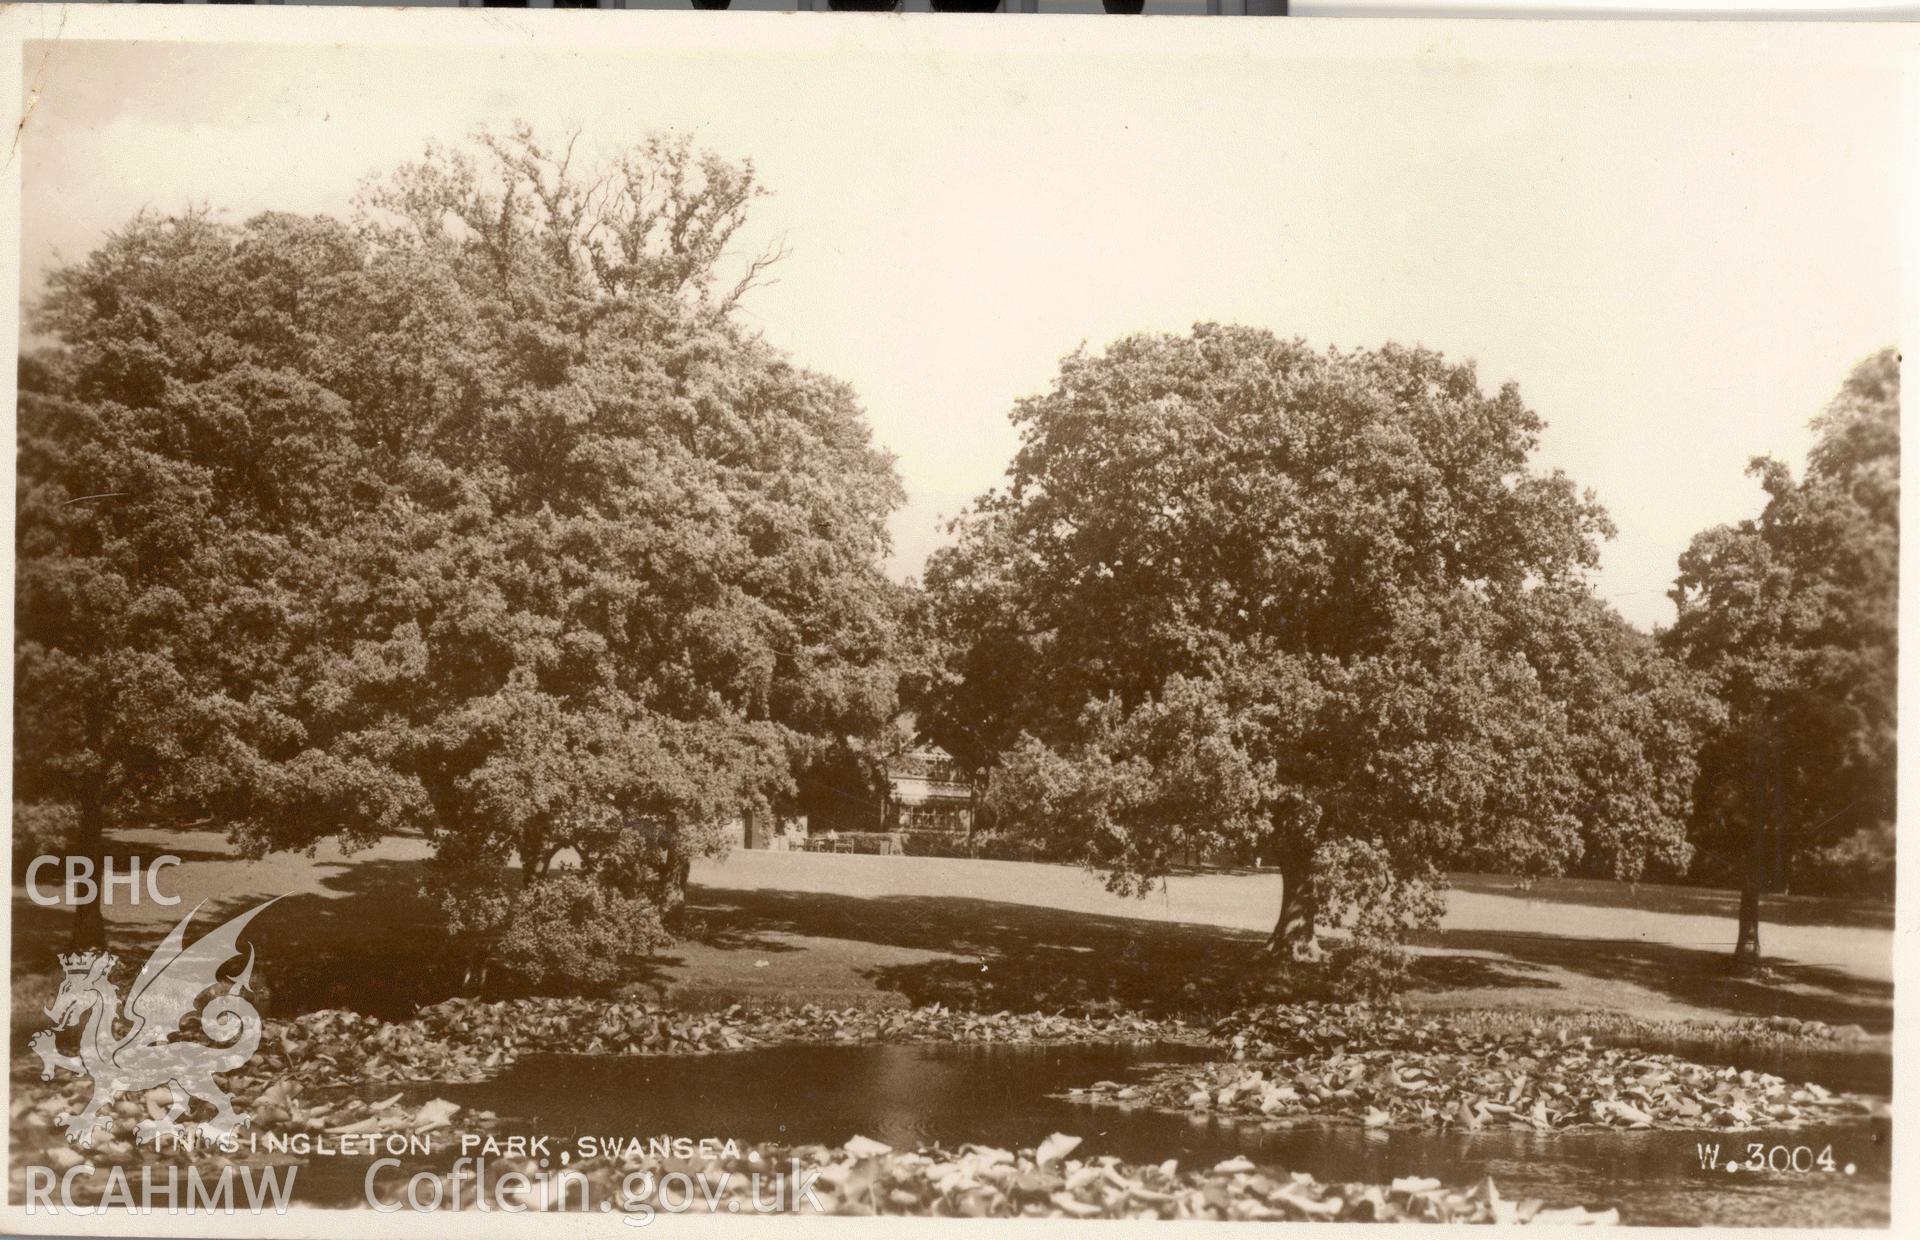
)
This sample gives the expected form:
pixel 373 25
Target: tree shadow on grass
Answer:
pixel 1016 957
pixel 730 929
pixel 1715 902
pixel 1021 957
pixel 370 943
pixel 1695 976
pixel 1448 971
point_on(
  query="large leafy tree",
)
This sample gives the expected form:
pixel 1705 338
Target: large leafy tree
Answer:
pixel 1794 616
pixel 1312 607
pixel 478 515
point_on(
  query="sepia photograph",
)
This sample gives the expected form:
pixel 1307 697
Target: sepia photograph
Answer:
pixel 631 615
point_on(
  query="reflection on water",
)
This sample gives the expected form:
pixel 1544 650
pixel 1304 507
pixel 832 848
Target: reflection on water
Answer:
pixel 1008 1096
pixel 902 1095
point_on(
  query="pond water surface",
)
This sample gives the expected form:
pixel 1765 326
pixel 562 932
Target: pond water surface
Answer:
pixel 1012 1096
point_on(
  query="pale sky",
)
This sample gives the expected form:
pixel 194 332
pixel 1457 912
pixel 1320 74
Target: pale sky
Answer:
pixel 1677 262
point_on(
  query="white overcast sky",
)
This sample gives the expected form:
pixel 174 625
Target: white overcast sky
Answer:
pixel 1678 259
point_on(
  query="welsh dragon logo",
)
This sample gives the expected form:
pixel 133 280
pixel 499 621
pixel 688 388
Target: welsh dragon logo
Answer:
pixel 146 1055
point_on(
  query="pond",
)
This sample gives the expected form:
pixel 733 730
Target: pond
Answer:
pixel 1012 1096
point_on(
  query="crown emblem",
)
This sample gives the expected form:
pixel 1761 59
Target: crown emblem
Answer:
pixel 82 963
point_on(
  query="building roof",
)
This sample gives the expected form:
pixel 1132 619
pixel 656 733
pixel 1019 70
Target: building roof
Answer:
pixel 929 762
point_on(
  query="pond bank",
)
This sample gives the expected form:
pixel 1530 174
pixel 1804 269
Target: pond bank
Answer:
pixel 467 1039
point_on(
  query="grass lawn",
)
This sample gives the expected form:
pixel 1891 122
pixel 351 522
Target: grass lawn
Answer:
pixel 864 930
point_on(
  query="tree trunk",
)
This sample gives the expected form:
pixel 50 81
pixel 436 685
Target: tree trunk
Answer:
pixel 673 911
pixel 89 920
pixel 1746 950
pixel 1746 946
pixel 1293 931
pixel 1778 882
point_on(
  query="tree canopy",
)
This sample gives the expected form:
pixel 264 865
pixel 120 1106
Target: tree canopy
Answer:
pixel 1793 614
pixel 1312 607
pixel 478 515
